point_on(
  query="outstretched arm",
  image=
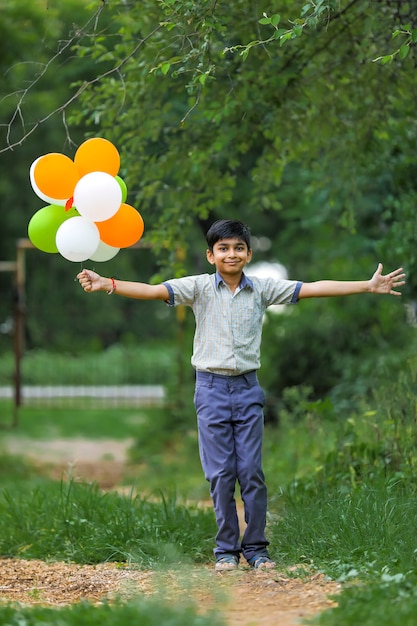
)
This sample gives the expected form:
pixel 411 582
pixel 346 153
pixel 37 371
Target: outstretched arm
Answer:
pixel 91 281
pixel 377 284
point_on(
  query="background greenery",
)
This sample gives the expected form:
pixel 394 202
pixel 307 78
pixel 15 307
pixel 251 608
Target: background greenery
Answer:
pixel 299 118
pixel 303 135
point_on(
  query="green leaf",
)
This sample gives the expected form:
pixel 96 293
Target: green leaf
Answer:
pixel 168 25
pixel 275 19
pixel 285 37
pixel 404 50
pixel 312 22
pixel 388 58
pixel 279 32
pixel 414 35
pixel 165 68
pixel 265 20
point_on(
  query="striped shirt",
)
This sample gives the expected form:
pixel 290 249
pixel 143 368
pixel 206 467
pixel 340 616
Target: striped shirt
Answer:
pixel 228 331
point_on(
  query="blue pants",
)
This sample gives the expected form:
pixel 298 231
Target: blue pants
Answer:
pixel 230 429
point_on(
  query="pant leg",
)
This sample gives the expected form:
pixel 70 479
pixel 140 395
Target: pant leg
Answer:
pixel 218 459
pixel 231 422
pixel 248 427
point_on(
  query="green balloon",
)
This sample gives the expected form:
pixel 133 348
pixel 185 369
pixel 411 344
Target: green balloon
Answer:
pixel 44 224
pixel 123 187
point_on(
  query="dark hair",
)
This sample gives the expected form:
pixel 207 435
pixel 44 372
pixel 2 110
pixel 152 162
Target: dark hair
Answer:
pixel 228 229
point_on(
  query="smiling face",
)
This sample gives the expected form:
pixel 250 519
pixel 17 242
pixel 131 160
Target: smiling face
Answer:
pixel 229 256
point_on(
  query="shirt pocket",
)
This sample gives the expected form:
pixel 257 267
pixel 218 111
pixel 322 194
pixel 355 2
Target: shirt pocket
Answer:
pixel 246 323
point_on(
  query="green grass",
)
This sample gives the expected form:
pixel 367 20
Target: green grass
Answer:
pixel 386 603
pixel 77 522
pixel 350 508
pixel 342 496
pixel 142 611
pixel 363 536
pixel 363 530
pixel 118 365
pixel 94 423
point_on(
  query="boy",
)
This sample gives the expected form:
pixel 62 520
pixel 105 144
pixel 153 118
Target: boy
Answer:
pixel 228 308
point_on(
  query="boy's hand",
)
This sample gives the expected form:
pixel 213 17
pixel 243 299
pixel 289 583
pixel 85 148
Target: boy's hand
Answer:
pixel 89 280
pixel 386 284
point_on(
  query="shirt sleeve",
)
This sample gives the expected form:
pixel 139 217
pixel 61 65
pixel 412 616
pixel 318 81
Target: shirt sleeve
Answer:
pixel 296 293
pixel 280 291
pixel 181 291
pixel 171 297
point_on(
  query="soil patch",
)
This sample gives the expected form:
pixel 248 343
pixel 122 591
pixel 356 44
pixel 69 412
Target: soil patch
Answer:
pixel 245 598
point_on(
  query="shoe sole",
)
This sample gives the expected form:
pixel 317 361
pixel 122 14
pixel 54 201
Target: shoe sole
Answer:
pixel 225 567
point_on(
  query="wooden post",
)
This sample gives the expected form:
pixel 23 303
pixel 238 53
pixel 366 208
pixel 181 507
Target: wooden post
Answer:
pixel 10 266
pixel 19 319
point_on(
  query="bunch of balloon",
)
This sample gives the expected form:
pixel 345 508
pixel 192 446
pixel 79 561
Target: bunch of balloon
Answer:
pixel 86 216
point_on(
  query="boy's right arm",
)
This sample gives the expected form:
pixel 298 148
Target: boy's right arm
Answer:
pixel 91 281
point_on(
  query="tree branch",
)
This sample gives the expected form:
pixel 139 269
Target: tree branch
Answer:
pixel 18 113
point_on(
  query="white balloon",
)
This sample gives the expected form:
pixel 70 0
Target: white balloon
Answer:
pixel 77 239
pixel 43 196
pixel 97 196
pixel 104 252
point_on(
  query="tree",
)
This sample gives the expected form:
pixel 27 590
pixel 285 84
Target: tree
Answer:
pixel 244 93
pixel 216 105
pixel 299 122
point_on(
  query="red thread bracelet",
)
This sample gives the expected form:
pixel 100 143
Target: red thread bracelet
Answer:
pixel 113 287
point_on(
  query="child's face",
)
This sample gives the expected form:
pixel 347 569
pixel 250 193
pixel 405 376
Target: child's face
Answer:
pixel 229 256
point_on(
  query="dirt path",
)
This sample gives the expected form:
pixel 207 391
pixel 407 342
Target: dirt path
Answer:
pixel 246 598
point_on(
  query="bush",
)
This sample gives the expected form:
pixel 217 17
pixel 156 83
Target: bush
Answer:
pixel 327 343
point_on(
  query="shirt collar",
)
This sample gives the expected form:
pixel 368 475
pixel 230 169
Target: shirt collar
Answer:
pixel 245 281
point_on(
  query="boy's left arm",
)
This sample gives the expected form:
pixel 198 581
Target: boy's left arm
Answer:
pixel 377 284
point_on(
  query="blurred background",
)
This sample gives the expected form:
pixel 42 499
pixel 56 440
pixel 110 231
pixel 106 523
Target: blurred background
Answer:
pixel 299 124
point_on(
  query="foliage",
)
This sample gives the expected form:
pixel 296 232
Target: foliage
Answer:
pixel 379 440
pixel 347 510
pixel 374 441
pixel 336 348
pixel 243 120
pixel 36 70
pixel 246 121
pixel 284 119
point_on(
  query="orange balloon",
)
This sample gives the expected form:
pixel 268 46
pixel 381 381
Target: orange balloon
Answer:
pixel 97 155
pixel 123 229
pixel 56 175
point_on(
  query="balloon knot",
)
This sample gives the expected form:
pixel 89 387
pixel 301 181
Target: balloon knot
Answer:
pixel 68 204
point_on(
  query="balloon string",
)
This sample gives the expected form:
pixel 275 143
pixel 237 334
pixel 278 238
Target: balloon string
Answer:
pixel 81 269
